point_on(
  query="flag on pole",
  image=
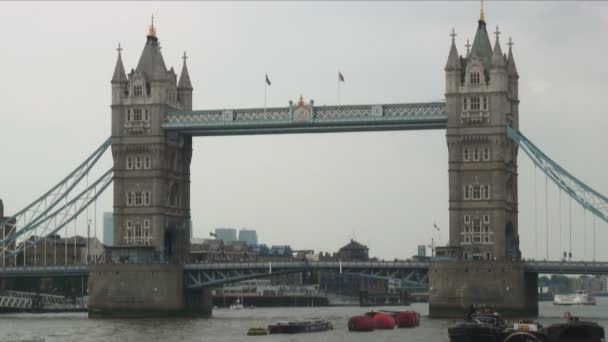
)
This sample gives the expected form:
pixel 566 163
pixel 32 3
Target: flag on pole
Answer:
pixel 340 77
pixel 435 225
pixel 267 80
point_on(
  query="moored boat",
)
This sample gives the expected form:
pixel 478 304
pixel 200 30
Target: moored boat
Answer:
pixel 303 326
pixel 361 323
pixel 257 332
pixel 405 319
pixel 575 330
pixel 578 298
pixel 480 326
pixel 382 320
pixel 524 331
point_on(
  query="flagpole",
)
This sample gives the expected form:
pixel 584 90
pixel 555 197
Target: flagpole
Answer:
pixel 338 87
pixel 265 86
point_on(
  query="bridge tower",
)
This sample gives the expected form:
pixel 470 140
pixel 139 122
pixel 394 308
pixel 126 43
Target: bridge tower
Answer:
pixel 482 98
pixel 151 167
pixel 143 273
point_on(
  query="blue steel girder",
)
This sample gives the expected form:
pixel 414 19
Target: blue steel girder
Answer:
pixel 211 275
pixel 587 197
pixel 566 267
pixel 306 118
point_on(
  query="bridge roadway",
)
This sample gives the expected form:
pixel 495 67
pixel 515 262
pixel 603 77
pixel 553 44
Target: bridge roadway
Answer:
pixel 412 274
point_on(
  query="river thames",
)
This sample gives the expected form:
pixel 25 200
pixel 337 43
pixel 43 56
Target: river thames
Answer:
pixel 232 325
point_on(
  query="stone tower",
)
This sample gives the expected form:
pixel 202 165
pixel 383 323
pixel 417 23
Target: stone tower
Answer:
pixel 151 166
pixel 481 95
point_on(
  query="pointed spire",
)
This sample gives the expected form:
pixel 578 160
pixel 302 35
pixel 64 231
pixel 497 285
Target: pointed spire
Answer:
pixel 184 77
pixel 151 62
pixel 482 16
pixel 468 46
pixel 482 48
pixel 119 69
pixel 152 29
pixel 453 59
pixel 511 68
pixel 498 60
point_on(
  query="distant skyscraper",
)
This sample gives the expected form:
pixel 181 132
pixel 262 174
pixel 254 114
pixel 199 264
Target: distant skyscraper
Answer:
pixel 249 236
pixel 108 229
pixel 225 234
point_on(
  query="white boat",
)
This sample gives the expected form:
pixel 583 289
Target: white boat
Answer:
pixel 237 305
pixel 578 298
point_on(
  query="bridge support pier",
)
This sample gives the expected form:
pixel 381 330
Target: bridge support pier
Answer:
pixel 143 290
pixel 503 285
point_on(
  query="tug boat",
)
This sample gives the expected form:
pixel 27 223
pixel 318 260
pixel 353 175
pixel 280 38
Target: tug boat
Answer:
pixel 483 325
pixel 304 326
pixel 575 330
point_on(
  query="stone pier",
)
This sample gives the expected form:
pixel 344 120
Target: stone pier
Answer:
pixel 149 290
pixel 456 285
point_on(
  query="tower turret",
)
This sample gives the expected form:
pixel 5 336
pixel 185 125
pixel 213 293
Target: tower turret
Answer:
pixel 498 68
pixel 184 87
pixel 119 80
pixel 453 68
pixel 512 74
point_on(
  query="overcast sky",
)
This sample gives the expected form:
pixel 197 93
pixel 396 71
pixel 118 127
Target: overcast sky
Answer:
pixel 385 189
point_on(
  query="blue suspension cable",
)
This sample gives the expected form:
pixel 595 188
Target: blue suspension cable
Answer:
pixel 546 218
pixel 535 220
pixel 570 219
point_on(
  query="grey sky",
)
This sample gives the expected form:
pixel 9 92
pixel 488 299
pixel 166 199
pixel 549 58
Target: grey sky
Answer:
pixel 310 191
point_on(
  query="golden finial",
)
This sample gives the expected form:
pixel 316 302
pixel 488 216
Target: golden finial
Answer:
pixel 482 17
pixel 152 29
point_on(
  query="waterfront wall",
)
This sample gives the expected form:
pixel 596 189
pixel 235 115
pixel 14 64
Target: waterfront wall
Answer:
pixel 503 285
pixel 130 290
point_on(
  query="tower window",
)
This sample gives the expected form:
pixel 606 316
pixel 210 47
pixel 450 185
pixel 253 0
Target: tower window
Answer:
pixel 129 162
pixel 146 198
pixel 486 154
pixel 485 103
pixel 465 103
pixel 475 78
pixel 137 90
pixel 138 162
pixel 486 191
pixel 138 199
pixel 467 192
pixel 147 162
pixel 137 114
pixel 476 192
pixel 476 154
pixel 130 198
pixel 466 154
pixel 474 103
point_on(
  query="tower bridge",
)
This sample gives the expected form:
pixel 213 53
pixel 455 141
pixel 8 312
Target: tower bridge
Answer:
pixel 153 124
